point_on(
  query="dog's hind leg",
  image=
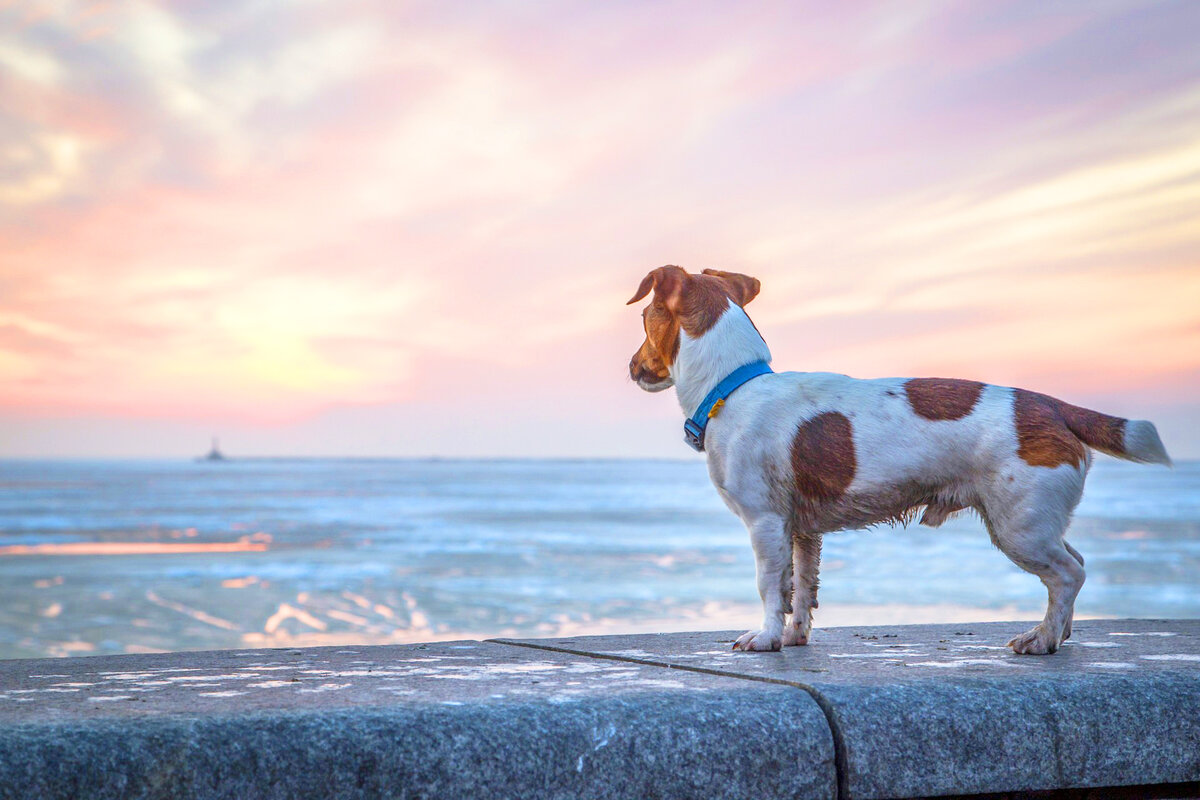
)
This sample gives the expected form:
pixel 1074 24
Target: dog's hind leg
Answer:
pixel 1028 527
pixel 1070 619
pixel 806 565
pixel 1063 578
pixel 772 558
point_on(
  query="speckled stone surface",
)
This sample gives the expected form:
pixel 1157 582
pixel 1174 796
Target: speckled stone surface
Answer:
pixel 451 720
pixel 947 709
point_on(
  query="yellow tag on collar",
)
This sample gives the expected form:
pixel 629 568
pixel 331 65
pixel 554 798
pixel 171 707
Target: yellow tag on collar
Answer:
pixel 716 408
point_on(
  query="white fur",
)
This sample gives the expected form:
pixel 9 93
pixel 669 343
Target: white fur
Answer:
pixel 1142 443
pixel 704 361
pixel 970 463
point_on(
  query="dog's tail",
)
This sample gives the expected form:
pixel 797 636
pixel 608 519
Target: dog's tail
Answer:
pixel 1142 443
pixel 1130 439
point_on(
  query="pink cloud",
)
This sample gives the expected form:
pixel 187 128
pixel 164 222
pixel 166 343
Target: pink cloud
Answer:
pixel 262 216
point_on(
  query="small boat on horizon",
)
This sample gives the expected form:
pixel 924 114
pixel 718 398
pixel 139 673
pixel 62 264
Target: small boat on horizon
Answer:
pixel 214 454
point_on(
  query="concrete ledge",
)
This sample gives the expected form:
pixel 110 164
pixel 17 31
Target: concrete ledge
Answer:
pixel 862 712
pixel 948 710
pixel 454 720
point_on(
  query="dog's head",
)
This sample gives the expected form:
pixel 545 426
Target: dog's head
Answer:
pixel 682 302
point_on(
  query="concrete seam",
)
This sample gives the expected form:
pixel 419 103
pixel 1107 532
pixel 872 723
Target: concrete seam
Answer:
pixel 835 728
pixel 839 743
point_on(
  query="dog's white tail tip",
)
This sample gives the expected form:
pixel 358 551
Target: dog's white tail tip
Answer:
pixel 1143 444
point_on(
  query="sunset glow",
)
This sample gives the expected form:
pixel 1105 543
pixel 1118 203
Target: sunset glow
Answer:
pixel 372 228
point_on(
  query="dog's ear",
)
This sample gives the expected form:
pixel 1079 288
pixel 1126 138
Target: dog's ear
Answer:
pixel 667 283
pixel 742 288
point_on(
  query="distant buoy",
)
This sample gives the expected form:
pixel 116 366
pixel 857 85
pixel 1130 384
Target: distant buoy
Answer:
pixel 214 454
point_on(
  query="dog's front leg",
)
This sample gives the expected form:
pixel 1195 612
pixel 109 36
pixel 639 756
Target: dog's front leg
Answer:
pixel 772 556
pixel 806 565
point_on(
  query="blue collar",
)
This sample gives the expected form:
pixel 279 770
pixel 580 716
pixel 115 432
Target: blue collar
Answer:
pixel 693 427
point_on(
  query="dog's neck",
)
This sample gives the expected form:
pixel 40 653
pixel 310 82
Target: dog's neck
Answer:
pixel 705 360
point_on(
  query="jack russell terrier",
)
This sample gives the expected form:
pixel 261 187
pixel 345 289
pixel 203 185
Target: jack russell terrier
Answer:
pixel 799 454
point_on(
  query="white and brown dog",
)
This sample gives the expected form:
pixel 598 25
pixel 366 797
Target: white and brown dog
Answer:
pixel 799 454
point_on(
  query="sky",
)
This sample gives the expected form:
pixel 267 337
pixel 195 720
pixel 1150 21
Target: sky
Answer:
pixel 384 228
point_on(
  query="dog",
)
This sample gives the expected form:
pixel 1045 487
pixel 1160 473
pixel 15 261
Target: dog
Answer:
pixel 796 455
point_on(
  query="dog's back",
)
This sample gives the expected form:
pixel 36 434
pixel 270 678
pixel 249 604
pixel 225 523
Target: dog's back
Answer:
pixel 845 453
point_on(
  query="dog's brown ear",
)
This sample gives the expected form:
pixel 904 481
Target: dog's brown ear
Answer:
pixel 742 288
pixel 667 283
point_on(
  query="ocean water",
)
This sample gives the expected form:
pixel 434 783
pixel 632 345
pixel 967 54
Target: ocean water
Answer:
pixel 135 556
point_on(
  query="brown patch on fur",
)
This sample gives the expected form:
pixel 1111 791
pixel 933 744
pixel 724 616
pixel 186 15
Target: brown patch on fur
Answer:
pixel 1043 439
pixel 667 283
pixel 653 359
pixel 942 398
pixel 692 303
pixel 646 365
pixel 1051 433
pixel 1101 431
pixel 705 298
pixel 742 288
pixel 662 332
pixel 823 459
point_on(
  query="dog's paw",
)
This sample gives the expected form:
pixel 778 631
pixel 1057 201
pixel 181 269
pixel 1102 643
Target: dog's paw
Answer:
pixel 793 637
pixel 1036 642
pixel 797 633
pixel 758 641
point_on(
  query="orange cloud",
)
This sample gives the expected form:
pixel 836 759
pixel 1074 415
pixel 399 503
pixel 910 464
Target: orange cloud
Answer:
pixel 264 215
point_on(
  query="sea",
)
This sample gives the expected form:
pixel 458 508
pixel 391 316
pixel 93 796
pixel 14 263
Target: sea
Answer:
pixel 143 556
